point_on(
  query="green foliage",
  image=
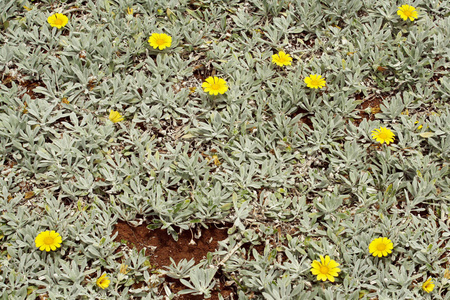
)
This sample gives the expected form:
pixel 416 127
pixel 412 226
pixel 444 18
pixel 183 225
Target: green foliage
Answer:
pixel 295 171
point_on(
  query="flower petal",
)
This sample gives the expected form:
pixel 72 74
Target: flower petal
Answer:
pixel 330 278
pixel 322 260
pixel 321 277
pixel 315 271
pixel 333 264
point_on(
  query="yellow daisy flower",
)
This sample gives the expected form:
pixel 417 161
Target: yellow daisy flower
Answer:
pixel 282 59
pixel 57 20
pixel 381 247
pixel 103 281
pixel 160 40
pixel 383 135
pixel 315 81
pixel 325 269
pixel 215 85
pixel 428 286
pixel 115 116
pixel 48 240
pixel 407 11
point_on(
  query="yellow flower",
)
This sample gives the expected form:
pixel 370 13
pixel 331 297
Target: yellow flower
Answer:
pixel 315 81
pixel 123 269
pixel 160 40
pixel 216 160
pixel 215 85
pixel 192 90
pixel 48 240
pixel 325 269
pixel 103 281
pixel 383 135
pixel 407 11
pixel 381 247
pixel 57 20
pixel 115 116
pixel 447 274
pixel 129 15
pixel 282 59
pixel 428 286
pixel 419 127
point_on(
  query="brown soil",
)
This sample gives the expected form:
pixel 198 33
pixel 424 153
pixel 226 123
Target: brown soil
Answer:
pixel 160 247
pixel 374 103
pixel 28 85
pixel 203 71
pixel 305 119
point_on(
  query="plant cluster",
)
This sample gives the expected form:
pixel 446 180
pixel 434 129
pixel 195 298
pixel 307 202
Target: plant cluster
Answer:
pixel 319 130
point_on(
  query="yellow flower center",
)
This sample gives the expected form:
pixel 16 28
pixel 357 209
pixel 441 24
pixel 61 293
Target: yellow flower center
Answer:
pixel 383 135
pixel 381 247
pixel 160 41
pixel 324 270
pixel 48 240
pixel 315 82
pixel 215 86
pixel 58 21
pixel 407 12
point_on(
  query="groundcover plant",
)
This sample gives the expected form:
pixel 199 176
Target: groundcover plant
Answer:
pixel 304 145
